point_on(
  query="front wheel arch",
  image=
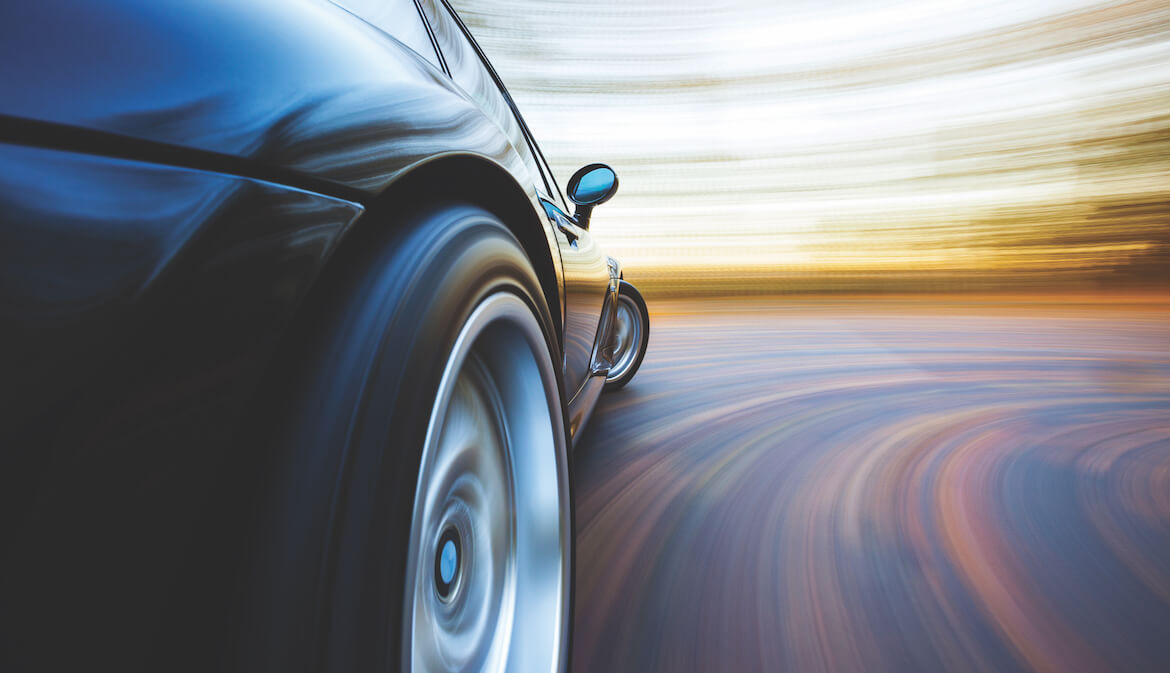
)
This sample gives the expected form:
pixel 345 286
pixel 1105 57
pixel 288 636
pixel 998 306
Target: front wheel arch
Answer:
pixel 476 180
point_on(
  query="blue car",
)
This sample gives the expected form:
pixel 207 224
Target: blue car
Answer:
pixel 298 333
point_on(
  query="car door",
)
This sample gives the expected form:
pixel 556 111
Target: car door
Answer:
pixel 587 289
pixel 587 278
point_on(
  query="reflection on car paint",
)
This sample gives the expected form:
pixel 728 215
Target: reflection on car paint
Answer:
pixel 135 299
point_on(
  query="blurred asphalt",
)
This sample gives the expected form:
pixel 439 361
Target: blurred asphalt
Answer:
pixel 887 485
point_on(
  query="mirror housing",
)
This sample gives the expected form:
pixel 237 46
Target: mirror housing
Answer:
pixel 591 186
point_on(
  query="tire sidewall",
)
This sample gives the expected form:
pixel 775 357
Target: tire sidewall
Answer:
pixel 359 421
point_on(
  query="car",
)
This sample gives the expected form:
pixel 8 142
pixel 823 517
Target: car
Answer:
pixel 298 333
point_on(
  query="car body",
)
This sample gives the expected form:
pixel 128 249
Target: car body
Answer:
pixel 176 179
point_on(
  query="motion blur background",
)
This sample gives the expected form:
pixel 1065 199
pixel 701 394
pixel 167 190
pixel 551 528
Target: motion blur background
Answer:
pixel 966 473
pixel 854 146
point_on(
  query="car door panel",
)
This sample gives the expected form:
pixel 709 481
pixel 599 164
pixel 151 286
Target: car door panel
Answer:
pixel 587 288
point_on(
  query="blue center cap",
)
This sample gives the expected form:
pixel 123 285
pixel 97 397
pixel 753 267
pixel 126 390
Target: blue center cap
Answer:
pixel 448 562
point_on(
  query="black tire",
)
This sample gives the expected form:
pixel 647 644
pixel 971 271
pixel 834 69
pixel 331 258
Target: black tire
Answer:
pixel 629 297
pixel 329 579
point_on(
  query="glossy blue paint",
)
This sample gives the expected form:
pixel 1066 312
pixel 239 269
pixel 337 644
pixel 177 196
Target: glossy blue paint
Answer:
pixel 302 85
pixel 141 305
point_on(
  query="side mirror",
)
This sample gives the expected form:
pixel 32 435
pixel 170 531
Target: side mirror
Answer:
pixel 591 186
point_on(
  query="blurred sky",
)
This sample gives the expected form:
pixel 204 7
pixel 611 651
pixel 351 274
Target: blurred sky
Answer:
pixel 780 140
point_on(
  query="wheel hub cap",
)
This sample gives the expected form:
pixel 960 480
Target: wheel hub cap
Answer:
pixel 447 564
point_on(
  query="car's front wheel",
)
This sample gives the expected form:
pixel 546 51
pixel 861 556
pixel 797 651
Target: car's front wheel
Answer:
pixel 423 515
pixel 486 566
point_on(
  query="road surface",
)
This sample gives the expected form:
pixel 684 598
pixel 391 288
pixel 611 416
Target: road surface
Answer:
pixel 972 484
